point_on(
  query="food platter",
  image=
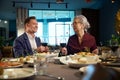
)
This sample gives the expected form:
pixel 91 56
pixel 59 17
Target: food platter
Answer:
pixel 74 64
pixel 16 73
pixel 42 56
pixel 79 62
pixel 9 64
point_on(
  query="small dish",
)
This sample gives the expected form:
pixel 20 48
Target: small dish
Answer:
pixel 16 73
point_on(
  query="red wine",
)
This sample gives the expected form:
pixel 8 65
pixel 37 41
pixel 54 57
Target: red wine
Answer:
pixel 44 44
pixel 62 44
pixel 114 48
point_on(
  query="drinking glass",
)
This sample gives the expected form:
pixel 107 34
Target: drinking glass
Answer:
pixel 44 42
pixel 114 48
pixel 40 64
pixel 63 42
pixel 106 54
pixel 114 45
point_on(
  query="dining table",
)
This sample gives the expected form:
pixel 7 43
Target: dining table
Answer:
pixel 55 71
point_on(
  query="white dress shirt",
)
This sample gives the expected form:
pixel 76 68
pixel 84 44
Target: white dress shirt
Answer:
pixel 32 41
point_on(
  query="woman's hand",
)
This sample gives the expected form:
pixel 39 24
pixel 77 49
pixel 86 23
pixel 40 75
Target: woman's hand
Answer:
pixel 95 51
pixel 64 50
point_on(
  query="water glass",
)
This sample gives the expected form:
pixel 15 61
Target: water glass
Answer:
pixel 106 54
pixel 40 65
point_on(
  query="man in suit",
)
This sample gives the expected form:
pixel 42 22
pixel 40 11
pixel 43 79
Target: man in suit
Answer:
pixel 27 43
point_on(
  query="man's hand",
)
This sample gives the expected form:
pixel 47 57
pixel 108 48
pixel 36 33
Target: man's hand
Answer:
pixel 43 49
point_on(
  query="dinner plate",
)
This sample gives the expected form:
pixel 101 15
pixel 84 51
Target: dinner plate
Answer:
pixel 17 73
pixel 49 57
pixel 16 66
pixel 75 64
pixel 30 61
pixel 10 64
pixel 52 55
pixel 14 59
pixel 111 64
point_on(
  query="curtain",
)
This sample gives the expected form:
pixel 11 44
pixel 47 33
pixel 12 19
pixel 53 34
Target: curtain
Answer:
pixel 22 14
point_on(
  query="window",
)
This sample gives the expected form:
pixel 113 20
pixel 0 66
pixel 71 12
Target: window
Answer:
pixel 40 30
pixel 54 26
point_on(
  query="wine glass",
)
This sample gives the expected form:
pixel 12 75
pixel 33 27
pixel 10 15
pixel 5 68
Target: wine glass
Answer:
pixel 114 48
pixel 44 42
pixel 114 45
pixel 63 42
pixel 62 45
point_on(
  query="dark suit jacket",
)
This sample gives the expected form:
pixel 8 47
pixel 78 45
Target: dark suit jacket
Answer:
pixel 22 47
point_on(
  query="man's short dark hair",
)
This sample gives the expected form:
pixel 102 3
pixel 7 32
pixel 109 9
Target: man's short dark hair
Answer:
pixel 27 20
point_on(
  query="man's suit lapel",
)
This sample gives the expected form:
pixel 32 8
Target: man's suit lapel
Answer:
pixel 27 41
pixel 38 43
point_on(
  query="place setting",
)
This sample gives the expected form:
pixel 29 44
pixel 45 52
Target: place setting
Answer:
pixel 10 63
pixel 110 57
pixel 16 73
pixel 12 69
pixel 80 59
pixel 37 64
pixel 41 64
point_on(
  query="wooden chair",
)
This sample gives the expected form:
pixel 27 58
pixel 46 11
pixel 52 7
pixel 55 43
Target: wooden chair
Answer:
pixel 7 51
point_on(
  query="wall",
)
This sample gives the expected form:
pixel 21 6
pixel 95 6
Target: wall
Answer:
pixel 107 19
pixel 12 28
pixel 7 11
pixel 107 14
pixel 4 24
